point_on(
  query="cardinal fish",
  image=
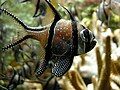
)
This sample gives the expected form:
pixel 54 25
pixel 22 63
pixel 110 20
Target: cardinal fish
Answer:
pixel 61 40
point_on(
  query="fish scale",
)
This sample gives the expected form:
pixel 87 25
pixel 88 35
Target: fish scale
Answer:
pixel 63 64
pixel 61 41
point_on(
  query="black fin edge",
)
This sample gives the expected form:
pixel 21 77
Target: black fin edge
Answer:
pixel 16 42
pixel 26 27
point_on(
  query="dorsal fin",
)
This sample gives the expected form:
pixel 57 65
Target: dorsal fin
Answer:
pixel 57 15
pixel 21 22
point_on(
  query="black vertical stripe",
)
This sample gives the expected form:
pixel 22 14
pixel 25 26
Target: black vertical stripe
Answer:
pixel 75 36
pixel 48 52
pixel 87 43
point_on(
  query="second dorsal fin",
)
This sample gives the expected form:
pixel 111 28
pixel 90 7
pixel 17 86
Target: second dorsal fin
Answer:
pixel 26 27
pixel 16 42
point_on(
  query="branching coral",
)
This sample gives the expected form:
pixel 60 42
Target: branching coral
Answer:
pixel 105 71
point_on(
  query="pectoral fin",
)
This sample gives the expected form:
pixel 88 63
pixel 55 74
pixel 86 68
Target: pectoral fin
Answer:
pixel 62 65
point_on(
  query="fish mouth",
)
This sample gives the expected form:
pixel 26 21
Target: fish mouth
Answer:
pixel 90 46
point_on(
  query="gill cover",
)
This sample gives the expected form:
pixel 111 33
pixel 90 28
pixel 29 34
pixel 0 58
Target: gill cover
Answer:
pixel 86 41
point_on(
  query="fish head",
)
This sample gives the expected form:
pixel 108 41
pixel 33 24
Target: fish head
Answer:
pixel 86 41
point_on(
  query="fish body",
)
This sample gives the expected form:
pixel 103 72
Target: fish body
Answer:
pixel 62 37
pixel 61 40
pixel 103 12
pixel 106 7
